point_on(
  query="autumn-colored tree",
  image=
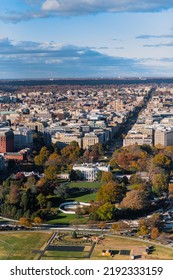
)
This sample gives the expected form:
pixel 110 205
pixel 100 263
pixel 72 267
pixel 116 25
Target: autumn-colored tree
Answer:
pixel 71 152
pixel 102 225
pixel 123 159
pixel 160 183
pixel 135 200
pixel 162 161
pixel 135 179
pixel 111 192
pixel 86 154
pixel 169 152
pixel 113 163
pixel 37 220
pixel 41 182
pixel 98 148
pixel 143 231
pixel 170 190
pixel 19 176
pixel 106 212
pixel 41 158
pixel 54 160
pixel 14 195
pixel 106 177
pixel 154 233
pixel 31 183
pixel 155 221
pixel 50 173
pixel 25 222
pixel 119 226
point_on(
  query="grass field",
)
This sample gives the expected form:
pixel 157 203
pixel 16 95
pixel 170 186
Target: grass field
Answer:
pixel 68 253
pixel 65 219
pixel 19 245
pixel 85 197
pixel 135 246
pixel 84 185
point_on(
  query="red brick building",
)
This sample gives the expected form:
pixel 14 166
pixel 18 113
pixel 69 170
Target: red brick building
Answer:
pixel 6 141
pixel 15 156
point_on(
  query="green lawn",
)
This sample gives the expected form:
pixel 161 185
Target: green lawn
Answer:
pixel 85 197
pixel 19 245
pixel 79 194
pixel 66 219
pixel 84 185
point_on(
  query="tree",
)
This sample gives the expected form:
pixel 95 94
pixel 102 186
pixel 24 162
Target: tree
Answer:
pixel 171 190
pixel 120 226
pixel 37 220
pixel 42 157
pixel 25 222
pixel 154 233
pixel 162 161
pixel 24 201
pixel 113 163
pixel 135 179
pixel 111 192
pixel 62 191
pixel 143 231
pixel 106 177
pixel 96 151
pixel 71 152
pixel 160 183
pixel 86 154
pixel 76 175
pixel 135 200
pixel 99 175
pixel 106 212
pixel 14 195
pixel 41 200
pixel 74 234
pixel 50 173
pixel 155 221
pixel 30 183
pixel 169 152
pixel 38 140
pixel 41 182
pixel 54 160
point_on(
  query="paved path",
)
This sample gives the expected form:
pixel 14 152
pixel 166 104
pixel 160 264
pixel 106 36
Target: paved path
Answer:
pixel 92 249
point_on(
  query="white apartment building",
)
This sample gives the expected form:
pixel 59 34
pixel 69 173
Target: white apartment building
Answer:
pixel 163 136
pixel 91 139
pixel 137 138
pixel 63 139
pixel 23 138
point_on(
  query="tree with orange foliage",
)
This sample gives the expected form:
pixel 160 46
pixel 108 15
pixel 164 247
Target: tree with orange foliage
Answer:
pixel 154 233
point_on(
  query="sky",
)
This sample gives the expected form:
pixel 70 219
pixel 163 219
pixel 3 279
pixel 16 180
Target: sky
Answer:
pixel 86 38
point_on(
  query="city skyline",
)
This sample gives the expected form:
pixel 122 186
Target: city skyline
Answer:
pixel 89 38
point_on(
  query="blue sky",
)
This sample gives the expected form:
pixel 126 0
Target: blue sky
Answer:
pixel 86 38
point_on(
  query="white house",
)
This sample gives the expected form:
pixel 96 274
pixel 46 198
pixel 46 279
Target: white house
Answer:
pixel 89 170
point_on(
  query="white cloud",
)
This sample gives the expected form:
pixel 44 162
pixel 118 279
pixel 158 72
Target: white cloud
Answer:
pixel 43 59
pixel 53 8
pixel 51 5
pixel 96 6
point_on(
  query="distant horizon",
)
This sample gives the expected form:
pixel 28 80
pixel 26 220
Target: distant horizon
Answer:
pixel 90 78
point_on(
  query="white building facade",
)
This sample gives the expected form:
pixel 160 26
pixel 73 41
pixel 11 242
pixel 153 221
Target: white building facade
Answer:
pixel 89 170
